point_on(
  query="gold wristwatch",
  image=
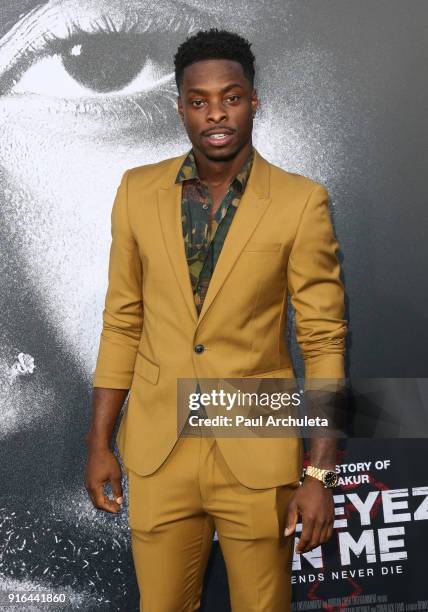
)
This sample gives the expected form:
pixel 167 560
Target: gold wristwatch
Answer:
pixel 329 478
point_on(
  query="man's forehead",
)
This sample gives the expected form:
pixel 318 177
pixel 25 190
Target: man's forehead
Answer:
pixel 208 66
pixel 213 71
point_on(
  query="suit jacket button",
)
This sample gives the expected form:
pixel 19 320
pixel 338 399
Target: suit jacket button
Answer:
pixel 199 348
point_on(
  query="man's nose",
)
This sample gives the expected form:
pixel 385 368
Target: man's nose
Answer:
pixel 216 112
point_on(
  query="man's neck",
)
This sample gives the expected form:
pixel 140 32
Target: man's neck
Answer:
pixel 216 173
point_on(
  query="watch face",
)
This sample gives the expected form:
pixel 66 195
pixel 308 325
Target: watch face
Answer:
pixel 330 479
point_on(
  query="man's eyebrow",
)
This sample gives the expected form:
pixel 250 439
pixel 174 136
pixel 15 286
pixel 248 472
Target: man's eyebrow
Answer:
pixel 200 90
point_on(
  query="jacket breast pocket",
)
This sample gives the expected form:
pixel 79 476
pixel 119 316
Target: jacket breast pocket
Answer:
pixel 146 368
pixel 254 245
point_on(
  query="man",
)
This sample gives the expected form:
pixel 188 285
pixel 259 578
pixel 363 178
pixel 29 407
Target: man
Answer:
pixel 204 247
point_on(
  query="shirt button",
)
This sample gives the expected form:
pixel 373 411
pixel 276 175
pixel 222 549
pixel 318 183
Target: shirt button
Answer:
pixel 199 348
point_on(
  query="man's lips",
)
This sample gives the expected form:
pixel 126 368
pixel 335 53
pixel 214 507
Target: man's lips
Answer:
pixel 220 138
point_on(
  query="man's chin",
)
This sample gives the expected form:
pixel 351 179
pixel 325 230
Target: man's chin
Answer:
pixel 221 154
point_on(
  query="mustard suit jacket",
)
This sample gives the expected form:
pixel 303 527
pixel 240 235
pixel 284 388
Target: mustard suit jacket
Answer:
pixel 281 239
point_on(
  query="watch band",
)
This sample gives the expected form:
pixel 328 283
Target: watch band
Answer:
pixel 329 478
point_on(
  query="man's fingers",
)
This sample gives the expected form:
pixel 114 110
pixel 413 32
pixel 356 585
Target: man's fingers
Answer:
pixel 116 487
pixel 326 532
pixel 103 468
pixel 101 501
pixel 316 536
pixel 308 522
pixel 321 532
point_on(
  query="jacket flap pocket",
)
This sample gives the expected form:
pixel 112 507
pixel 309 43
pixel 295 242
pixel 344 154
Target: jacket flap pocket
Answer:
pixel 146 368
pixel 254 245
pixel 281 373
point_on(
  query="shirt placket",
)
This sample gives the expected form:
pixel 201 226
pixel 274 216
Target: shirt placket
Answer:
pixel 208 263
pixel 206 204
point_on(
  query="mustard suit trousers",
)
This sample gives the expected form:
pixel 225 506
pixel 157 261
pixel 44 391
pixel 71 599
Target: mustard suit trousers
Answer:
pixel 172 515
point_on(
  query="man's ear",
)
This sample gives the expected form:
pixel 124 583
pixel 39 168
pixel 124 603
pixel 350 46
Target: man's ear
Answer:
pixel 180 108
pixel 254 100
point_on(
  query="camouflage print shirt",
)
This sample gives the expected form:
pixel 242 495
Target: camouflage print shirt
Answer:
pixel 203 239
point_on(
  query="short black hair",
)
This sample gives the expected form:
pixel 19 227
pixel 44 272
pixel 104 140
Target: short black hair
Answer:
pixel 214 44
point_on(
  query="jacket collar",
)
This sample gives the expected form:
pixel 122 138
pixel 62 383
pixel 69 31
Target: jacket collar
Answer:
pixel 258 179
pixel 189 170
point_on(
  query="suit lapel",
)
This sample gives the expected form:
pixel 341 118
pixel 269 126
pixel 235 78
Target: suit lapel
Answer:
pixel 251 208
pixel 169 210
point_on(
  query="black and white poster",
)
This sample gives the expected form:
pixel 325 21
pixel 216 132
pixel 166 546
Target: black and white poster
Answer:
pixel 86 91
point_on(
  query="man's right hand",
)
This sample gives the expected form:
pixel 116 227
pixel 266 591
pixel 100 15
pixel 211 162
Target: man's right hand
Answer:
pixel 103 467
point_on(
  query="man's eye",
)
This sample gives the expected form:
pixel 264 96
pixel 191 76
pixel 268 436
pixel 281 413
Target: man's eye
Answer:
pixel 196 103
pixel 233 98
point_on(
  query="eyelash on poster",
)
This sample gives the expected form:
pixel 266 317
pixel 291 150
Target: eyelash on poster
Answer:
pixel 53 44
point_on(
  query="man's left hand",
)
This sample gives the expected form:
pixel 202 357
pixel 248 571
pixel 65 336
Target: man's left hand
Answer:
pixel 314 503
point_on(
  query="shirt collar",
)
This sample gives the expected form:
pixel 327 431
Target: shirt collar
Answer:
pixel 188 170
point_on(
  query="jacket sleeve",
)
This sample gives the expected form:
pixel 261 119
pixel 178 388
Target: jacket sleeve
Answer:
pixel 123 311
pixel 317 293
